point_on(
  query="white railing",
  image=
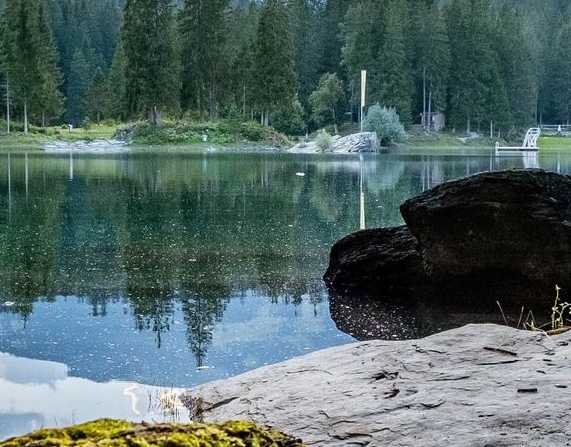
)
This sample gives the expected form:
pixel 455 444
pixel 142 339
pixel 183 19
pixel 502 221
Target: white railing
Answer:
pixel 529 142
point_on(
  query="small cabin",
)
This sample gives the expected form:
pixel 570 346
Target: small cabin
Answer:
pixel 436 122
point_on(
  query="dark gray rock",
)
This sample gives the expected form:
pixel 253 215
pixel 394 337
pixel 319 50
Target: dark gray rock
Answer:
pixel 496 225
pixel 496 236
pixel 381 260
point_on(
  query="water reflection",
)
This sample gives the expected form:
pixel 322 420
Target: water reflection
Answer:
pixel 177 269
pixel 38 394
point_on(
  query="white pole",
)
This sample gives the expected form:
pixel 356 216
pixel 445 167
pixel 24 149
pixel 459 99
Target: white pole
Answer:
pixel 363 86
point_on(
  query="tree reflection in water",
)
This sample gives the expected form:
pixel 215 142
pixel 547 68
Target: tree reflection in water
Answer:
pixel 171 236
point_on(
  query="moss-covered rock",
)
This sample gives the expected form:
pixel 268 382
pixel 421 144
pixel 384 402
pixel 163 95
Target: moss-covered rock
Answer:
pixel 117 433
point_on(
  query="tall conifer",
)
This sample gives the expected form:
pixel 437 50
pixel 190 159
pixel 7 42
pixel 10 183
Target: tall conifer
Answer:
pixel 274 60
pixel 152 69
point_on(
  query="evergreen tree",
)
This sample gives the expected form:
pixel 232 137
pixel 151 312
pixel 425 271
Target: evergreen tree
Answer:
pixel 328 29
pixel 305 42
pixel 476 92
pixel 561 90
pixel 77 85
pixel 115 103
pixel 49 98
pixel 362 40
pixel 517 66
pixel 394 68
pixel 97 96
pixel 204 31
pixel 29 59
pixel 240 51
pixel 274 60
pixel 431 57
pixel 152 79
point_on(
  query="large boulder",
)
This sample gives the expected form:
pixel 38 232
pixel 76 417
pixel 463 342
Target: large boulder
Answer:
pixel 383 260
pixel 509 222
pixel 495 236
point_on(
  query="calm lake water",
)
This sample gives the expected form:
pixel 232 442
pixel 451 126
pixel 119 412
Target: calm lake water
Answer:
pixel 124 272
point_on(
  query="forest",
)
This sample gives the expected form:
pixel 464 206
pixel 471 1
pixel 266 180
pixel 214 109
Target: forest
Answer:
pixel 291 64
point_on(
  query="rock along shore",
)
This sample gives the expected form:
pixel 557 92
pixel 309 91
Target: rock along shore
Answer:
pixel 484 385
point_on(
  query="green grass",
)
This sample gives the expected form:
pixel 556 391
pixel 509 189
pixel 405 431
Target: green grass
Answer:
pixel 37 137
pixel 554 142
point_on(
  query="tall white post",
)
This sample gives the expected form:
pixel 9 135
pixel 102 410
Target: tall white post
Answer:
pixel 363 87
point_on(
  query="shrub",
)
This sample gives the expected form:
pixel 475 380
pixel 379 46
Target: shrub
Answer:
pixel 323 140
pixel 386 122
pixel 254 131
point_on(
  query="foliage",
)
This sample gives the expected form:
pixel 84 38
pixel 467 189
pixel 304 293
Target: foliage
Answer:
pixel 204 67
pixel 478 61
pixel 386 123
pixel 123 433
pixel 290 120
pixel 190 133
pixel 30 61
pixel 323 140
pixel 394 72
pixel 275 77
pixel 327 100
pixel 151 59
pixel 559 311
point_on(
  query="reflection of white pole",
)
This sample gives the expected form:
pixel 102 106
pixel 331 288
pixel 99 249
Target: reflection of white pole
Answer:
pixel 70 165
pixel 362 195
pixel 27 176
pixel 363 83
pixel 9 186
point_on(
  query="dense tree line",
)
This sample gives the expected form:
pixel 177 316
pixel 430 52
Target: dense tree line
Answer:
pixel 294 64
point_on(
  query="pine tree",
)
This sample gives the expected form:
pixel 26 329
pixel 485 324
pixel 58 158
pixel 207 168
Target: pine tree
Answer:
pixel 306 50
pixel 49 97
pixel 30 60
pixel 517 66
pixel 362 40
pixel 561 90
pixel 431 57
pixel 97 96
pixel 152 70
pixel 115 103
pixel 78 82
pixel 394 67
pixel 204 31
pixel 274 60
pixel 476 91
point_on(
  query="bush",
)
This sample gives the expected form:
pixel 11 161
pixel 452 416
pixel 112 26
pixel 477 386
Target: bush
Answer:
pixel 323 140
pixel 386 122
pixel 254 131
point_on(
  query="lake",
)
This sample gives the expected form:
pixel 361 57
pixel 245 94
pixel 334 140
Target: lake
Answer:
pixel 123 275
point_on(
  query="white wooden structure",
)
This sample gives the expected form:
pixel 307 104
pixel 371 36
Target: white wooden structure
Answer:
pixel 529 143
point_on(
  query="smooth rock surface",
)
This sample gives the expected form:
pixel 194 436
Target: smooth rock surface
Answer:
pixel 479 385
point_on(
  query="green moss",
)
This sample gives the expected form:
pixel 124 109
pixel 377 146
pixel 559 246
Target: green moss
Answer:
pixel 116 433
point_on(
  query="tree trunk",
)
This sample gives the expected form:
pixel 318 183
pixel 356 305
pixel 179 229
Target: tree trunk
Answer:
pixel 26 116
pixel 155 116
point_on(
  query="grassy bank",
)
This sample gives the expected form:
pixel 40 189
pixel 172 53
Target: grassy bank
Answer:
pixel 37 137
pixel 227 133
